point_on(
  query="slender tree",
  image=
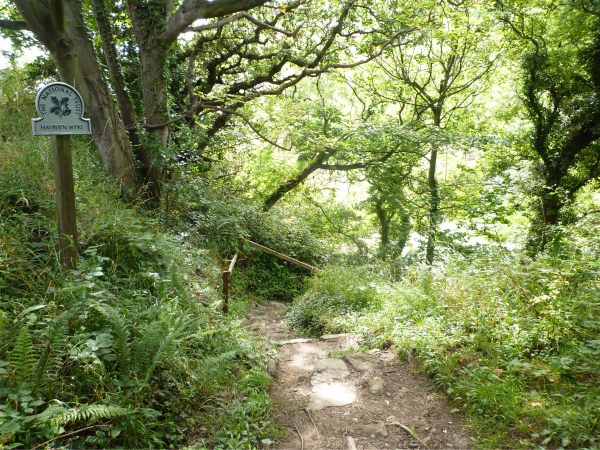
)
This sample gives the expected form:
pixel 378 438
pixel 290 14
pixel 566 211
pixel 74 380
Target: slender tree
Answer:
pixel 436 74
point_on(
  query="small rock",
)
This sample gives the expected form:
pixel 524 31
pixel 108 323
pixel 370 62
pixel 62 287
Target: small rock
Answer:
pixel 350 444
pixel 374 351
pixel 376 429
pixel 361 362
pixel 375 385
pixel 413 445
pixel 272 366
pixel 266 442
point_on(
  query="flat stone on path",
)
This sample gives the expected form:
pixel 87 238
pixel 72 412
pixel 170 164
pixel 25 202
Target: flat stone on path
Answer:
pixel 373 429
pixel 331 394
pixel 329 370
pixel 295 341
pixel 332 337
pixel 361 362
pixel 330 364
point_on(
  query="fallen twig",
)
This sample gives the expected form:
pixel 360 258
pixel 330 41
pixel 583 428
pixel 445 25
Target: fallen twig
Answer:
pixel 72 433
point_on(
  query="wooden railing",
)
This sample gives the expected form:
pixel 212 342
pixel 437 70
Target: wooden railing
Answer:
pixel 284 257
pixel 227 273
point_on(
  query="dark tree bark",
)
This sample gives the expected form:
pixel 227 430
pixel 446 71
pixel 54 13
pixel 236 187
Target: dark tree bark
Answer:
pixel 59 26
pixel 434 195
pixel 384 218
pixel 141 151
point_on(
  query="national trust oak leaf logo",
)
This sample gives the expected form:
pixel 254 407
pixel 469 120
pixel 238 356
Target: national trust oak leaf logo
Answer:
pixel 60 108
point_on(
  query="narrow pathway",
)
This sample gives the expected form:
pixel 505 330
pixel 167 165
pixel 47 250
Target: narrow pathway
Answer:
pixel 330 397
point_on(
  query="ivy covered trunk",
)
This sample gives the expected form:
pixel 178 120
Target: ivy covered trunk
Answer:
pixel 434 193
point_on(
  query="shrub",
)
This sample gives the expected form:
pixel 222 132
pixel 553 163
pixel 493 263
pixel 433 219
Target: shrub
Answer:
pixel 338 291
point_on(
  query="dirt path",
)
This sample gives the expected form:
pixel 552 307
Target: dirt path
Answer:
pixel 330 397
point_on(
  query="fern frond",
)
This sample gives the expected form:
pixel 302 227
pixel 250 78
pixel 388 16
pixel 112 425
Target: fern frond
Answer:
pixel 146 346
pixel 90 413
pixel 160 341
pixel 52 356
pixel 120 330
pixel 23 358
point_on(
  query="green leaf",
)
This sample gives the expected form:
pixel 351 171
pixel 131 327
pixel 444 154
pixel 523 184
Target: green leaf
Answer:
pixel 10 427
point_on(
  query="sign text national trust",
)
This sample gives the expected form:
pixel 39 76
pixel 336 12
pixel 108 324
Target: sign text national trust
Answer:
pixel 61 111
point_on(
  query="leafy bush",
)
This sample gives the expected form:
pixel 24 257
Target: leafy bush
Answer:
pixel 220 221
pixel 337 292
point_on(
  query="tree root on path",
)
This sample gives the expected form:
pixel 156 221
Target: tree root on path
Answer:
pixel 301 438
pixel 407 429
pixel 312 420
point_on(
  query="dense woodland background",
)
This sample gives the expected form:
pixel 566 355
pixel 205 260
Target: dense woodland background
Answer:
pixel 439 159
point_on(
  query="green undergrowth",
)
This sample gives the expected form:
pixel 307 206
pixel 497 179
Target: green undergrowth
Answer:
pixel 224 222
pixel 130 350
pixel 513 341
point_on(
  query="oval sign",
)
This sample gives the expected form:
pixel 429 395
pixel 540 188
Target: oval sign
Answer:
pixel 61 111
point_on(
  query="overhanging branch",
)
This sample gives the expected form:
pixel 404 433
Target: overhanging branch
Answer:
pixel 18 25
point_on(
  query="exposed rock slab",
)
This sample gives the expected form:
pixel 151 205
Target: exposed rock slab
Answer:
pixel 361 362
pixel 295 341
pixel 331 394
pixel 329 370
pixel 333 337
pixel 330 364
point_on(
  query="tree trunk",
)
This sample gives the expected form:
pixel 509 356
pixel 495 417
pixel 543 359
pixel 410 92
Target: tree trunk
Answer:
pixel 384 227
pixel 154 89
pixel 115 71
pixel 60 27
pixel 434 204
pixel 434 195
pixel 548 214
pixel 404 232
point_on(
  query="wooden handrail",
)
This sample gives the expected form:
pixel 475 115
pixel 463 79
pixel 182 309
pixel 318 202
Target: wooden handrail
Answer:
pixel 227 273
pixel 282 256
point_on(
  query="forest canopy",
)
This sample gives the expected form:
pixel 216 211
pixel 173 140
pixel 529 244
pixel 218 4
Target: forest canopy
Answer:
pixel 439 159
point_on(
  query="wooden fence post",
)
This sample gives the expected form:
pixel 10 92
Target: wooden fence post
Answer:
pixel 226 277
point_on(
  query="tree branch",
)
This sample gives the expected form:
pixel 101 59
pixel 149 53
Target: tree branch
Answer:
pixel 14 25
pixel 192 10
